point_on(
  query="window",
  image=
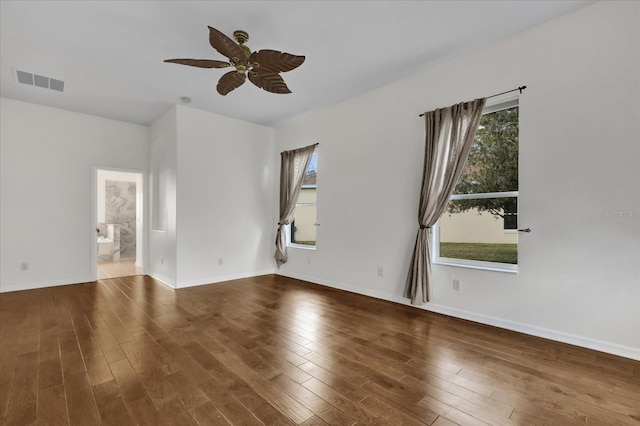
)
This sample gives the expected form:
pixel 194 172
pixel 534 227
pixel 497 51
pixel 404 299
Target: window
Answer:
pixel 302 231
pixel 479 225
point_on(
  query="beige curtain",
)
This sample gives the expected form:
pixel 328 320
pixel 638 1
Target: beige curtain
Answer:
pixel 449 136
pixel 293 164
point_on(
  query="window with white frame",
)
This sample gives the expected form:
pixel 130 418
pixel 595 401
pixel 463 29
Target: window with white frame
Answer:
pixel 479 226
pixel 302 231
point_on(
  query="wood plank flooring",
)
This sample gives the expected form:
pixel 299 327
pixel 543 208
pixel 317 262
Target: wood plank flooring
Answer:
pixel 117 268
pixel 276 351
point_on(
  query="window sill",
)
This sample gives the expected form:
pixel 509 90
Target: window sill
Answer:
pixel 471 264
pixel 301 246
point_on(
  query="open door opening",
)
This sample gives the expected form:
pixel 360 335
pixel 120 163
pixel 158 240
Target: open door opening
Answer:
pixel 119 242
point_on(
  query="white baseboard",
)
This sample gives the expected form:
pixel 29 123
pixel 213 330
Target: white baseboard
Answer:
pixel 533 330
pixel 222 278
pixel 43 284
pixel 160 277
pixel 559 336
pixel 164 280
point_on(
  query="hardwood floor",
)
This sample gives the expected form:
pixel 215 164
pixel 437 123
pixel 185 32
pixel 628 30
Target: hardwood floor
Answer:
pixel 276 351
pixel 117 268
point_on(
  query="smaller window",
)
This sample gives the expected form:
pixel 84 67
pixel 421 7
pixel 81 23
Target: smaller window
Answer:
pixel 302 231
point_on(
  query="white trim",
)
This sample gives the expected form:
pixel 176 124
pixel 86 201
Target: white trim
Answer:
pixel 501 102
pixel 532 330
pixel 301 246
pixel 164 280
pixel 507 194
pixel 143 220
pixel 287 229
pixel 223 278
pixel 476 264
pixel 94 222
pixel 44 284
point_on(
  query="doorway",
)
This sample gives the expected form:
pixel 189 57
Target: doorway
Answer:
pixel 119 226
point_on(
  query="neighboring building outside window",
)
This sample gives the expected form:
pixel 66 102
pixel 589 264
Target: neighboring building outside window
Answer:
pixel 479 226
pixel 302 231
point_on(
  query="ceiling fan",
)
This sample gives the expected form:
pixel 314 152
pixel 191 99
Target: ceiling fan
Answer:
pixel 262 67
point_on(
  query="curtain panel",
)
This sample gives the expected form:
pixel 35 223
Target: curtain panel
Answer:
pixel 293 165
pixel 449 136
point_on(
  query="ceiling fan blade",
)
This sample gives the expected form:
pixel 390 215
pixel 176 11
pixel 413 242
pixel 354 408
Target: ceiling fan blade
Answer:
pixel 273 61
pixel 230 81
pixel 270 82
pixel 200 63
pixel 225 45
pixel 255 78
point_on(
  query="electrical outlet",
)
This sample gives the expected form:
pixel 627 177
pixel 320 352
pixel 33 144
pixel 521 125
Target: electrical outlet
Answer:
pixel 379 271
pixel 220 261
pixel 162 260
pixel 24 266
pixel 456 285
pixel 308 261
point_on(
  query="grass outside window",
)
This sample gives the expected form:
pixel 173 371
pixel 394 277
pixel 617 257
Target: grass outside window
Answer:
pixel 499 253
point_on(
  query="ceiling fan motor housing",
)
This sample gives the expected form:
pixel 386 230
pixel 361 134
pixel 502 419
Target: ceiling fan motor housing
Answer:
pixel 241 65
pixel 241 36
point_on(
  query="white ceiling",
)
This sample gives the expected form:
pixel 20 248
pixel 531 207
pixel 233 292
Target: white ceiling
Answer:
pixel 110 53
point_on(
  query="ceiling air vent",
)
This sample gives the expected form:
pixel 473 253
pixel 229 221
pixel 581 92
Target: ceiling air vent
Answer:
pixel 39 81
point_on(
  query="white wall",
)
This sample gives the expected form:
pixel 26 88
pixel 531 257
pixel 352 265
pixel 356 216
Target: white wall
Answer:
pixel 226 198
pixel 162 177
pixel 47 157
pixel 579 276
pixel 215 198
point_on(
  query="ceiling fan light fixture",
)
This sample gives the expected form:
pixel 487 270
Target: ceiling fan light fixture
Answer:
pixel 263 67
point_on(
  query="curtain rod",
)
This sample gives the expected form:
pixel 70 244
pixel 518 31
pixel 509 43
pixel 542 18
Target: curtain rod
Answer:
pixel 521 88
